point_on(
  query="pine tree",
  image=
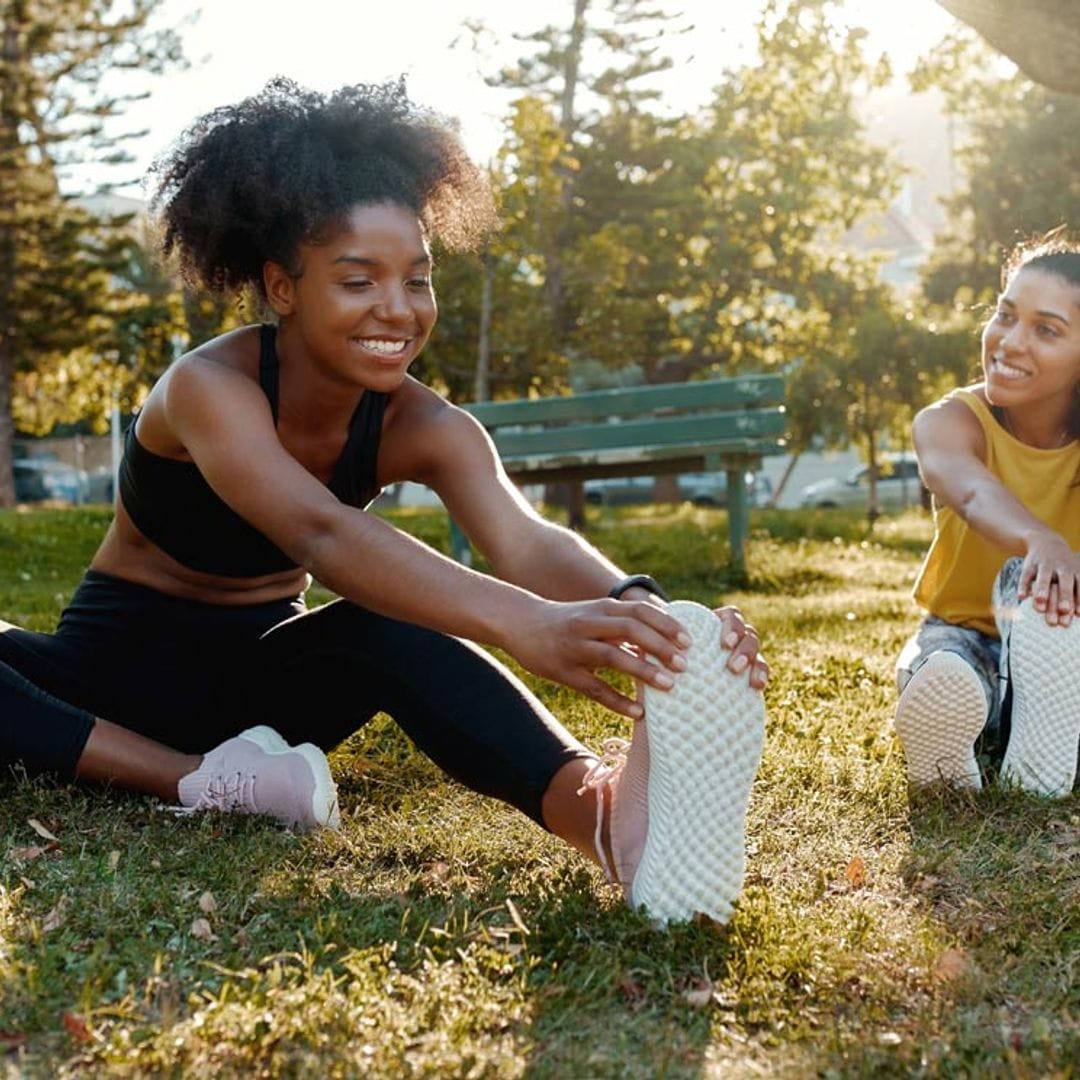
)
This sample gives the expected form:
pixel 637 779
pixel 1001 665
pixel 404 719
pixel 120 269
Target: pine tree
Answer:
pixel 622 39
pixel 58 262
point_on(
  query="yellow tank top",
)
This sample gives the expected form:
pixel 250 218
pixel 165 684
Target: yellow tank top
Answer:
pixel 958 573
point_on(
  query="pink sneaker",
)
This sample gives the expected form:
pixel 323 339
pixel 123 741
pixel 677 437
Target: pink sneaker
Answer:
pixel 678 792
pixel 257 772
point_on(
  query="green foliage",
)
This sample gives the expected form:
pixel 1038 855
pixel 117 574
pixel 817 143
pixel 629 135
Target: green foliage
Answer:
pixel 71 291
pixel 441 934
pixel 1018 153
pixel 100 325
pixel 684 245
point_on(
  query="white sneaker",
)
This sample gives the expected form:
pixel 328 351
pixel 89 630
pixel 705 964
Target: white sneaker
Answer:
pixel 679 792
pixel 940 714
pixel 1044 669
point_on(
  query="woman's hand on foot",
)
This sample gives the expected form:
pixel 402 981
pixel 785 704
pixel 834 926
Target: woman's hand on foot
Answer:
pixel 570 642
pixel 1051 576
pixel 741 638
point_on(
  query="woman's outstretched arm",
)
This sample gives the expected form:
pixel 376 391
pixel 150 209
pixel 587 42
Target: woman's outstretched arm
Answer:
pixel 951 449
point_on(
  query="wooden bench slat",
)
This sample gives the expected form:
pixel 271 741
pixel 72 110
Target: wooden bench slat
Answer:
pixel 635 461
pixel 632 400
pixel 686 430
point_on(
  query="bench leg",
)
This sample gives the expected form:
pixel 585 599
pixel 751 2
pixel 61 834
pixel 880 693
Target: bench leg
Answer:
pixel 738 519
pixel 459 545
pixel 575 505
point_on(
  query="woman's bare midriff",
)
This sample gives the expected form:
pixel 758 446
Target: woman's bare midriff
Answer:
pixel 125 553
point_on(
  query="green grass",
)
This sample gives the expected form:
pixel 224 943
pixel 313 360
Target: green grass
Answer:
pixel 442 935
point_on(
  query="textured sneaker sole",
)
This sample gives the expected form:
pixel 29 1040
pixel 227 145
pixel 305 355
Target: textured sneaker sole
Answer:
pixel 1044 669
pixel 940 714
pixel 324 797
pixel 705 740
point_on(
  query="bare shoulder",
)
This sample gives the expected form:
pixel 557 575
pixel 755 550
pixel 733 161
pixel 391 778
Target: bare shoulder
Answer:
pixel 218 376
pixel 413 403
pixel 231 358
pixel 948 426
pixel 238 349
pixel 424 433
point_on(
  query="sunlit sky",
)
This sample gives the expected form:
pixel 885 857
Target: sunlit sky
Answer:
pixel 235 46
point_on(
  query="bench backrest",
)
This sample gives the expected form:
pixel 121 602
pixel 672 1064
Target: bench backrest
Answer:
pixel 744 414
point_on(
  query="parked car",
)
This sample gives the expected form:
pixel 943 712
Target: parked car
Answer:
pixel 898 486
pixel 41 478
pixel 702 489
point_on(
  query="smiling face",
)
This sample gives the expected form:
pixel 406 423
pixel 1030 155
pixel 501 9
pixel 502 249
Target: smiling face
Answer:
pixel 1031 345
pixel 361 306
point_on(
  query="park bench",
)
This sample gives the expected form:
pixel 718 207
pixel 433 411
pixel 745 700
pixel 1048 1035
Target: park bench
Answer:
pixel 719 424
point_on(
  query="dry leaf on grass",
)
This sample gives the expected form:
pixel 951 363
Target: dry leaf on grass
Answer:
pixel 55 918
pixel 698 992
pixel 29 854
pixel 633 991
pixel 856 872
pixel 40 829
pixel 207 903
pixel 951 965
pixel 516 916
pixel 77 1027
pixel 12 1040
pixel 114 861
pixel 202 930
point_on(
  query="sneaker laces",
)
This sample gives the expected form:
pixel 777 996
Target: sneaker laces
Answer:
pixel 226 792
pixel 604 773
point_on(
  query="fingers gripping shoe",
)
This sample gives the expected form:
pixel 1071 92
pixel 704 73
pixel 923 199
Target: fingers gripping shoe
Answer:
pixel 940 714
pixel 678 793
pixel 257 772
pixel 1044 667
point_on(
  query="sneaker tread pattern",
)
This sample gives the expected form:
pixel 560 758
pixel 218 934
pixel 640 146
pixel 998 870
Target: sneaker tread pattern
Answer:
pixel 705 741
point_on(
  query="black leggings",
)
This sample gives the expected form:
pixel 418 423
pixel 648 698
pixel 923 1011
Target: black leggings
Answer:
pixel 190 675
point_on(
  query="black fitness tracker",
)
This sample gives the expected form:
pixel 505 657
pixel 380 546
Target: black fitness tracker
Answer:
pixel 642 581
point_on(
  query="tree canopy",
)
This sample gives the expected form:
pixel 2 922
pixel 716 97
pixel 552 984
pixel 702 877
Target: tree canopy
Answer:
pixel 1018 160
pixel 65 316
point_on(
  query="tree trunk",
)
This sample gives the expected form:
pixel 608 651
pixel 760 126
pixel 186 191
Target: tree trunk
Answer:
pixel 873 509
pixel 9 164
pixel 789 468
pixel 482 381
pixel 554 278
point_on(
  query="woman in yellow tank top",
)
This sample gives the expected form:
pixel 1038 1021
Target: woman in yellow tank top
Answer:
pixel 996 661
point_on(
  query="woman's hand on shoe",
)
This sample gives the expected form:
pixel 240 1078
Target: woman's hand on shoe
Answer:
pixel 741 638
pixel 1051 577
pixel 570 642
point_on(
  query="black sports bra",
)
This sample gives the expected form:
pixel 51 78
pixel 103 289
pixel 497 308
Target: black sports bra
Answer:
pixel 174 507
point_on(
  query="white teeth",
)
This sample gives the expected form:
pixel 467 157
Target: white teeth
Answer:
pixel 1007 371
pixel 380 345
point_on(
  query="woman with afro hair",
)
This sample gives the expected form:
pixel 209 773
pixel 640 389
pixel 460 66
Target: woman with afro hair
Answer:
pixel 187 664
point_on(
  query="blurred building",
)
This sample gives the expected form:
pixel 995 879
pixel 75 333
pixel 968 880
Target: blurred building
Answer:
pixel 916 128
